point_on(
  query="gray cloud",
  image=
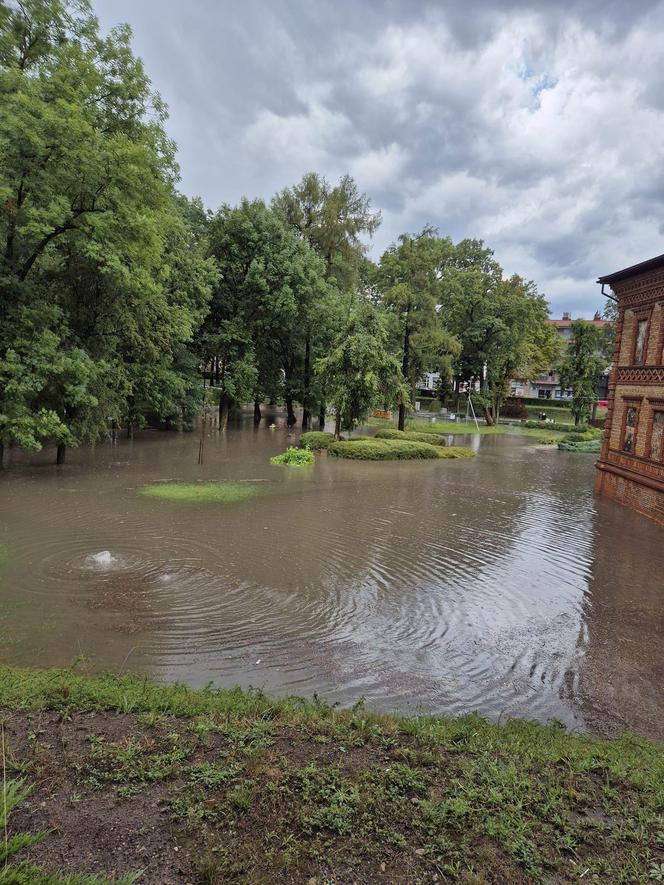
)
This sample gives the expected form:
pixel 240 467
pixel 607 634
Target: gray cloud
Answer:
pixel 535 126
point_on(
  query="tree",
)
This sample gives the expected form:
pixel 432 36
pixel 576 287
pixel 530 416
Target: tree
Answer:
pixel 97 252
pixel 581 368
pixel 501 324
pixel 332 219
pixel 360 371
pixel 409 277
pixel 270 279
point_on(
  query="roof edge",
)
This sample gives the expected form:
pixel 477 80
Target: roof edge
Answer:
pixel 642 267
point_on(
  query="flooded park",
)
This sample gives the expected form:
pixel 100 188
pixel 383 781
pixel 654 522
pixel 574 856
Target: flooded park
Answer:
pixel 497 584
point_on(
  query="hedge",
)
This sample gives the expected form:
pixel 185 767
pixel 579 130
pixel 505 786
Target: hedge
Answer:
pixel 394 450
pixel 383 450
pixel 433 439
pixel 316 440
pixel 556 425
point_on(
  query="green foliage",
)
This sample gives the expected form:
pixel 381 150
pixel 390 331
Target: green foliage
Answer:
pixel 316 440
pixel 332 219
pixel 508 802
pixel 502 325
pixel 409 281
pixel 293 457
pixel 557 426
pixel 433 439
pixel 588 442
pixel 359 372
pixel 589 447
pixel 394 450
pixel 103 279
pixel 582 366
pixel 270 286
pixel 200 492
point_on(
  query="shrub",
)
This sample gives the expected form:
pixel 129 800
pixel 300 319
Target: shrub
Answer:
pixel 316 440
pixel 582 437
pixel 293 457
pixel 394 450
pixel 591 446
pixel 556 425
pixel 432 439
pixel 514 408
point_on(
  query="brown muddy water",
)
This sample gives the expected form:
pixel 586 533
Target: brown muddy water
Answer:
pixel 497 584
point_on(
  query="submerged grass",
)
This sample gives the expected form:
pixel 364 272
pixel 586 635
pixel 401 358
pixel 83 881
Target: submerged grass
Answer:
pixel 263 790
pixel 200 492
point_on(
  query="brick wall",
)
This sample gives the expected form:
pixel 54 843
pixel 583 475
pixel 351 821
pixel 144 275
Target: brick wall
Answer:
pixel 632 478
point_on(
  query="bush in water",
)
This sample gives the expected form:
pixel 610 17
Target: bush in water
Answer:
pixel 316 440
pixel 293 457
pixel 433 439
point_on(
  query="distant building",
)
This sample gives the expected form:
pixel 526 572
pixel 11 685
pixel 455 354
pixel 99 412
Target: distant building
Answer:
pixel 631 465
pixel 547 385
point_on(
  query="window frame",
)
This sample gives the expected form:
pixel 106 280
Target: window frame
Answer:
pixel 656 407
pixel 630 403
pixel 641 316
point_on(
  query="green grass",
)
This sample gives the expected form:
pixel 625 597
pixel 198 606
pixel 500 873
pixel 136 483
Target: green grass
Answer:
pixel 200 492
pixel 393 450
pixel 264 790
pixel 293 457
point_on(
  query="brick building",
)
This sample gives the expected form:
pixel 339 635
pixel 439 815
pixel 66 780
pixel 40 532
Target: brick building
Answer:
pixel 631 465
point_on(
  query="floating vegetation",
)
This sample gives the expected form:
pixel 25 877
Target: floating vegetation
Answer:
pixel 293 457
pixel 211 492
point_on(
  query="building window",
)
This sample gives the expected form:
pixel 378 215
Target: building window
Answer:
pixel 640 343
pixel 629 437
pixel 657 437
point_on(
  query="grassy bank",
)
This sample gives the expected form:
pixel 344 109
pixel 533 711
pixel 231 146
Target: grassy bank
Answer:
pixel 225 786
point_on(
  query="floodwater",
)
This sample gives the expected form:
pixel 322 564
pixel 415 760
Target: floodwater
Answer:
pixel 497 584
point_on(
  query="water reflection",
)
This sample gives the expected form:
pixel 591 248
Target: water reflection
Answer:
pixel 449 586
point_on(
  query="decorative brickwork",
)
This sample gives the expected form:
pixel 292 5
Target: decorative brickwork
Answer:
pixel 631 468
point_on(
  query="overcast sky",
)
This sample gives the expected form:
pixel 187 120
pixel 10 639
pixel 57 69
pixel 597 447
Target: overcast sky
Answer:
pixel 535 126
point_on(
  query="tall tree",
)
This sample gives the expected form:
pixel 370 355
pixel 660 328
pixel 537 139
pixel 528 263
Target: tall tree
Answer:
pixel 270 279
pixel 332 219
pixel 581 367
pixel 408 278
pixel 359 372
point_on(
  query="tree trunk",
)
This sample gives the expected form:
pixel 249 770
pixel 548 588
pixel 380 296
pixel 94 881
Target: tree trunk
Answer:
pixel 291 419
pixel 224 408
pixel 337 425
pixel 405 369
pixel 61 452
pixel 321 416
pixel 257 411
pixel 2 455
pixel 306 413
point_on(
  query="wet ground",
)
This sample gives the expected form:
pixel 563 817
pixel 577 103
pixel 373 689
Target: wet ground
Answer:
pixel 497 584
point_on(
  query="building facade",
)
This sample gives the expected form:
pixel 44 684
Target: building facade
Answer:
pixel 631 465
